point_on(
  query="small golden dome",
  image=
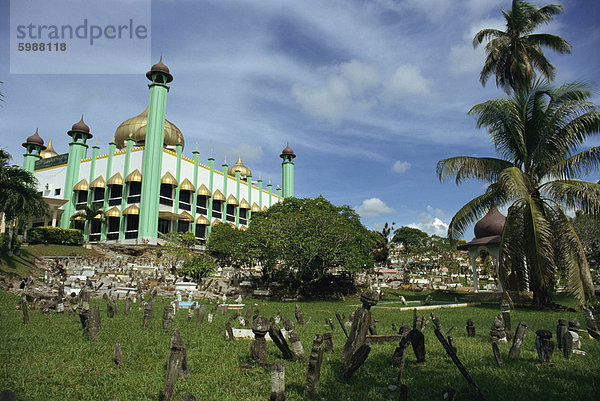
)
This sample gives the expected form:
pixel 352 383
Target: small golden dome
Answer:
pixel 244 171
pixel 49 151
pixel 135 128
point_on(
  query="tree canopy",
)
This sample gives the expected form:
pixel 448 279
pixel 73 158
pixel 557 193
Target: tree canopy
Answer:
pixel 513 55
pixel 409 237
pixel 536 132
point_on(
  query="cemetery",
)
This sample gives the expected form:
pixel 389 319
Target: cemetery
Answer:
pixel 100 329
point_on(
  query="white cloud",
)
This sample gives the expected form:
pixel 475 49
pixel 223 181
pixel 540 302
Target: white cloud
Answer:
pixel 431 224
pixel 436 211
pixel 373 207
pixel 401 166
pixel 408 80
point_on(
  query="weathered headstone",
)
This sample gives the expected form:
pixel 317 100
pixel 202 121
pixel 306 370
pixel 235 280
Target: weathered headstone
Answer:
pixel 24 309
pixel 306 324
pixel 188 397
pixel 299 315
pixel 200 313
pixel 495 349
pixel 561 330
pixel 505 311
pixel 329 322
pixel 296 346
pixel 279 340
pixel 278 316
pixel 590 320
pixel 403 300
pixel 339 319
pixel 515 350
pixel 567 344
pixel 177 365
pixel 191 311
pixel 258 347
pixel 127 307
pixel 328 341
pixel 544 345
pixel 229 331
pixel 417 340
pixel 93 323
pixel 110 311
pixel 168 314
pixel 400 355
pixel 373 327
pixel 148 309
pixel 8 395
pixel 118 354
pixel 313 376
pixel 115 306
pixel 428 300
pixel 288 325
pixel 498 325
pixel 277 382
pixel 248 314
pixel 448 394
pixel 355 350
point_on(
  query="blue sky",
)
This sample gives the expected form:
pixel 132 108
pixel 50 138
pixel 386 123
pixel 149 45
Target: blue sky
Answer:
pixel 369 94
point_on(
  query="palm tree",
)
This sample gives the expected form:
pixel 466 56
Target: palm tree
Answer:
pixel 536 132
pixel 88 214
pixel 19 198
pixel 512 55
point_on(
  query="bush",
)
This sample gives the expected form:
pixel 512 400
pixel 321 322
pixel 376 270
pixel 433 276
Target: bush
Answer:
pixel 16 242
pixel 55 235
pixel 197 267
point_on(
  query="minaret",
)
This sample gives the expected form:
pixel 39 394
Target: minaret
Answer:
pixel 79 133
pixel 287 171
pixel 33 146
pixel 152 159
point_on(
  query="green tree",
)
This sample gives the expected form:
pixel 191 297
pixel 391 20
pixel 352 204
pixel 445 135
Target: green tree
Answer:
pixel 381 251
pixel 409 237
pixel 588 230
pixel 536 132
pixel 88 214
pixel 19 198
pixel 176 248
pixel 197 267
pixel 306 237
pixel 514 54
pixel 227 245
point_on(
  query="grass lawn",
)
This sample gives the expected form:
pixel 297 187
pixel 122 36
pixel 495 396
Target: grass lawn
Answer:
pixel 21 264
pixel 50 359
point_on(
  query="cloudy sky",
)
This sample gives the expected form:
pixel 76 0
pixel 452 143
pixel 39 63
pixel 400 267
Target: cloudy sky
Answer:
pixel 369 94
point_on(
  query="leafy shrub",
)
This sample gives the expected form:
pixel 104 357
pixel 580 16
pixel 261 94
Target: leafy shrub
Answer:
pixel 54 235
pixel 197 267
pixel 16 242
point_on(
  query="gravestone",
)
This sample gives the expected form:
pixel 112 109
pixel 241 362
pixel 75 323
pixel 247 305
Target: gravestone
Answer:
pixel 417 340
pixel 299 315
pixel 8 395
pixel 399 356
pixel 258 347
pixel 110 311
pixel 567 344
pixel 93 323
pixel 339 319
pixel 115 306
pixel 515 350
pixel 168 314
pixel 328 341
pixel 188 397
pixel 313 376
pixel 118 354
pixel 544 345
pixel 177 365
pixel 277 382
pixel 403 301
pixel 278 316
pixel 279 340
pixel 355 350
pixel 428 300
pixel 255 314
pixel 229 331
pixel 306 324
pixel 288 325
pixel 148 309
pixel 561 330
pixel 191 311
pixel 296 345
pixel 248 314
pixel 24 309
pixel 590 320
pixel 200 313
pixel 498 325
pixel 505 311
pixel 329 322
pixel 127 307
pixel 495 349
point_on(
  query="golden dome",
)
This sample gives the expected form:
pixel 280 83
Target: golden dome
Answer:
pixel 49 151
pixel 244 171
pixel 135 128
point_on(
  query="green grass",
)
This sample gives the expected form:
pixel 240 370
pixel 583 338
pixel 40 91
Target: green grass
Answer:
pixel 50 359
pixel 22 264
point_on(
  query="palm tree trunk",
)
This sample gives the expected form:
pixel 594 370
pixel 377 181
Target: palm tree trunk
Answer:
pixel 11 225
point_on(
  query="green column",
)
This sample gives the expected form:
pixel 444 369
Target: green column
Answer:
pixel 224 206
pixel 32 154
pixel 128 147
pixel 95 149
pixel 153 148
pixel 287 171
pixel 79 133
pixel 237 196
pixel 260 192
pixel 278 190
pixel 178 150
pixel 211 173
pixel 270 187
pixel 249 211
pixel 112 146
pixel 195 156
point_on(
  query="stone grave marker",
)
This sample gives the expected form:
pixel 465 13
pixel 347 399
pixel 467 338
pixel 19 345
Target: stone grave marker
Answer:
pixel 399 356
pixel 515 350
pixel 505 311
pixel 470 328
pixel 328 341
pixel 288 325
pixel 168 314
pixel 24 309
pixel 258 347
pixel 229 331
pixel 93 323
pixel 8 395
pixel 329 322
pixel 110 311
pixel 340 321
pixel 495 349
pixel 115 306
pixel 544 345
pixel 561 330
pixel 306 324
pixel 590 320
pixel 200 313
pixel 148 309
pixel 188 397
pixel 299 315
pixel 313 376
pixel 417 340
pixel 177 366
pixel 279 340
pixel 277 382
pixel 127 307
pixel 355 350
pixel 118 354
pixel 567 344
pixel 296 346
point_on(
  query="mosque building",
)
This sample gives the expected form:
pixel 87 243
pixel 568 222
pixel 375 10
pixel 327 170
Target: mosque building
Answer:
pixel 144 186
